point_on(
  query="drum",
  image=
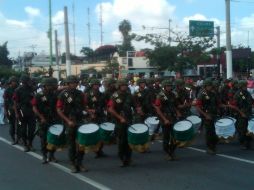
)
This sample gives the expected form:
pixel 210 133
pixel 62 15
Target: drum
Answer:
pixel 196 122
pixel 183 131
pixel 152 123
pixel 225 128
pixel 251 127
pixel 55 136
pixel 138 136
pixel 88 134
pixel 107 131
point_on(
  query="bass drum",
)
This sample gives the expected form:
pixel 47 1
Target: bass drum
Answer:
pixel 152 123
pixel 225 128
pixel 138 137
pixel 55 137
pixel 183 133
pixel 251 127
pixel 196 122
pixel 88 138
pixel 107 132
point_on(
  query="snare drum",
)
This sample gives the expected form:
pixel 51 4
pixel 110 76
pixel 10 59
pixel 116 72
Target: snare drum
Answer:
pixel 138 136
pixel 106 132
pixel 88 137
pixel 225 128
pixel 183 131
pixel 196 122
pixel 251 127
pixel 152 123
pixel 55 136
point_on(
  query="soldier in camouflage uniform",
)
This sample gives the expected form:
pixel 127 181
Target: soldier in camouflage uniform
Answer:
pixel 44 107
pixel 109 91
pixel 183 100
pixel 207 105
pixel 95 106
pixel 9 109
pixel 243 103
pixel 166 108
pixel 120 107
pixel 70 107
pixel 22 97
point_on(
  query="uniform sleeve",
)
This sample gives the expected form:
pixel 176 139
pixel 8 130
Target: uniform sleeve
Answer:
pixel 59 104
pixel 15 96
pixel 34 102
pixel 110 103
pixel 157 102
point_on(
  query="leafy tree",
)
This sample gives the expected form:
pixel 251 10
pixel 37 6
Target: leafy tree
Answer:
pixel 88 53
pixel 4 53
pixel 125 29
pixel 112 67
pixel 105 52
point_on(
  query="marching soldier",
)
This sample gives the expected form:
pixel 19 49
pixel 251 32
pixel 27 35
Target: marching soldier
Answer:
pixel 166 108
pixel 207 105
pixel 23 96
pixel 44 107
pixel 95 105
pixel 243 104
pixel 9 109
pixel 70 107
pixel 120 106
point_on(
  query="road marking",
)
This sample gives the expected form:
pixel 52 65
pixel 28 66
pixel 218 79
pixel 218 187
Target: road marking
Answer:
pixel 224 156
pixel 62 168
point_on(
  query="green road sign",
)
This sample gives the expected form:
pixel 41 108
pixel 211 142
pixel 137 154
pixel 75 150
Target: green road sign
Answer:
pixel 201 28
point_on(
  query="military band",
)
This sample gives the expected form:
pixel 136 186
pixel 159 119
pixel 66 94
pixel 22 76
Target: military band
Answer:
pixel 169 101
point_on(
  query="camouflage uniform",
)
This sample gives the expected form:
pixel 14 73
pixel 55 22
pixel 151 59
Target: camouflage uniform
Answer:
pixel 71 104
pixel 166 103
pixel 243 101
pixel 140 101
pixel 23 96
pixel 183 100
pixel 122 103
pixel 9 109
pixel 45 104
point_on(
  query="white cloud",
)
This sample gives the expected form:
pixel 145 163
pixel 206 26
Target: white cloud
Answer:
pixel 22 24
pixel 32 11
pixel 58 18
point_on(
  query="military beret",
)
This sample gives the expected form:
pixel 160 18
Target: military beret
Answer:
pixel 179 82
pixel 110 81
pixel 94 82
pixel 141 81
pixel 242 83
pixel 49 81
pixel 24 78
pixel 208 82
pixel 71 79
pixel 122 82
pixel 166 83
pixel 12 79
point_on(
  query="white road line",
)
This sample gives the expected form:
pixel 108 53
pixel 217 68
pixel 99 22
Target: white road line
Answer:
pixel 62 168
pixel 224 156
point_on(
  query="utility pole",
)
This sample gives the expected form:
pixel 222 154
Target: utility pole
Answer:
pixel 57 56
pixel 88 27
pixel 74 27
pixel 50 34
pixel 218 52
pixel 228 41
pixel 169 32
pixel 67 43
pixel 101 23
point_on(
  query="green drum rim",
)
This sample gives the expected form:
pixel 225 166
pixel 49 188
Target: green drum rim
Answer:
pixel 105 135
pixel 184 135
pixel 56 140
pixel 88 139
pixel 138 138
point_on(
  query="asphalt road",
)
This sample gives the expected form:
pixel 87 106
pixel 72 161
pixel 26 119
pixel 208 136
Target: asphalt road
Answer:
pixel 231 169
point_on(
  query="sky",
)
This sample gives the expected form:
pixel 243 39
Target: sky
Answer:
pixel 24 23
